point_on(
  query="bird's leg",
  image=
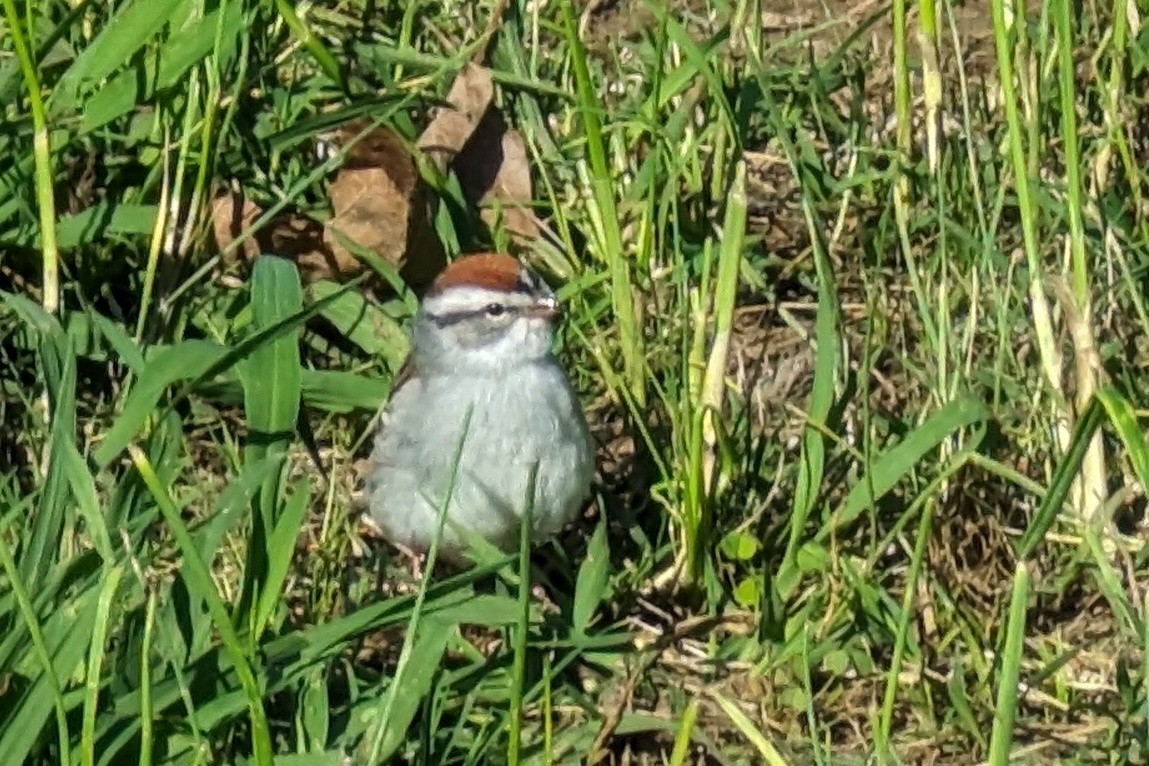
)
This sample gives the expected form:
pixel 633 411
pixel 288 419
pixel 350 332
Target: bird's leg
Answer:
pixel 540 596
pixel 414 559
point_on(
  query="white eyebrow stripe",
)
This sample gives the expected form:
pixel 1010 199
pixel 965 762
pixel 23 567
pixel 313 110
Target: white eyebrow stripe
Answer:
pixel 470 300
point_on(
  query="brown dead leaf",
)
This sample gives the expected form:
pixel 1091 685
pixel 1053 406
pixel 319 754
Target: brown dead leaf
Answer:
pixel 231 216
pixel 452 126
pixel 470 136
pixel 495 174
pixel 379 202
pixel 288 234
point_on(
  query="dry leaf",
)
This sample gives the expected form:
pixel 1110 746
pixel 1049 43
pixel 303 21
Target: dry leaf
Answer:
pixel 495 175
pixel 231 216
pixel 288 234
pixel 379 202
pixel 450 129
pixel 301 239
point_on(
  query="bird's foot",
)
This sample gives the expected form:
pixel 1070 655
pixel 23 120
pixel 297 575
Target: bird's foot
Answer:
pixel 414 560
pixel 539 595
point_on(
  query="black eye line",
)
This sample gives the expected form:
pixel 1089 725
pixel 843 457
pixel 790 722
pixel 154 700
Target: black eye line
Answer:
pixel 455 317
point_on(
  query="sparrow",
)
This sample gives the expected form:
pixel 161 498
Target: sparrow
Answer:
pixel 480 384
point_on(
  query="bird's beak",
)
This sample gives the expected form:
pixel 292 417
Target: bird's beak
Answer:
pixel 544 308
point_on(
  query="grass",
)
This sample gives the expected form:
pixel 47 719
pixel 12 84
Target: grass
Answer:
pixel 855 303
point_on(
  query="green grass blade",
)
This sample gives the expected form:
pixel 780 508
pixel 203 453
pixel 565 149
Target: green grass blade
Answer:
pixel 83 489
pixel 743 724
pixel 187 360
pixel 1062 480
pixel 147 710
pixel 96 653
pixel 50 678
pixel 200 578
pixel 271 373
pixel 885 722
pixel 522 631
pixel 193 361
pixel 590 585
pixel 281 553
pixel 1123 418
pixel 364 324
pixel 682 737
pixel 900 459
pixel 126 90
pixel 327 62
pixel 1062 13
pixel 1005 710
pixel 408 690
pixel 606 229
pixel 813 449
pixel 272 388
pixel 384 723
pixel 127 30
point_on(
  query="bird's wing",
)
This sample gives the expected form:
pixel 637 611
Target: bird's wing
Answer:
pixel 405 375
pixel 406 372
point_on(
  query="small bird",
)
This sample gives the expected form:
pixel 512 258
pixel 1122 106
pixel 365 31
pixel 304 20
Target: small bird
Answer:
pixel 480 346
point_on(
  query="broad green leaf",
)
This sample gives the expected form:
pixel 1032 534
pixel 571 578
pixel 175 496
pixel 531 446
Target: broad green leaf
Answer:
pixel 326 390
pixel 272 386
pixel 271 373
pixel 590 585
pixel 812 557
pixel 364 324
pixel 739 545
pixel 339 391
pixel 748 592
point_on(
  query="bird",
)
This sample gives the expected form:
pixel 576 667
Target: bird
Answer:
pixel 481 383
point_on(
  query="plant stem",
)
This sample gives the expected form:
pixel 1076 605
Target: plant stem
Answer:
pixel 41 148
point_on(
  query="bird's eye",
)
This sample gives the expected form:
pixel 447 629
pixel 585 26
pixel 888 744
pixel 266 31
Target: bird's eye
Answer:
pixel 495 309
